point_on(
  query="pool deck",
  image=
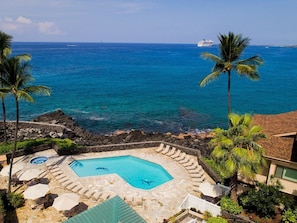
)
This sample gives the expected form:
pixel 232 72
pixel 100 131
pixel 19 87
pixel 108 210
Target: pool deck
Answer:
pixel 153 205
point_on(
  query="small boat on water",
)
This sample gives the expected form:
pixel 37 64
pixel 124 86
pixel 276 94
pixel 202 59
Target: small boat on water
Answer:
pixel 205 43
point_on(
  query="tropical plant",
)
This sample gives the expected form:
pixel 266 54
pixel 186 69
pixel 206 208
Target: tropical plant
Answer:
pixel 289 216
pixel 262 199
pixel 5 44
pixel 217 220
pixel 15 81
pixel 230 206
pixel 231 48
pixel 236 150
pixel 16 200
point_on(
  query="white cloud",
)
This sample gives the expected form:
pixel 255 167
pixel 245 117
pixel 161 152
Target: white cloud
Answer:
pixel 48 28
pixel 26 25
pixel 23 20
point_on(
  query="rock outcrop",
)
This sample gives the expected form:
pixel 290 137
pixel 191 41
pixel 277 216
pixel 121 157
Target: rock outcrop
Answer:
pixel 59 125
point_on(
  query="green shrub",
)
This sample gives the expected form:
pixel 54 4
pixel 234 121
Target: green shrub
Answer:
pixel 211 163
pixel 227 204
pixel 31 143
pixel 15 200
pixel 206 215
pixel 289 216
pixel 262 199
pixel 217 220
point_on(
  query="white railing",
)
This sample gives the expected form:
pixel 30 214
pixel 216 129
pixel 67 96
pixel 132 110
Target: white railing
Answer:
pixel 200 205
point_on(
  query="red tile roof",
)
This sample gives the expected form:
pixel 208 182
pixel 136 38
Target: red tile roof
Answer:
pixel 277 146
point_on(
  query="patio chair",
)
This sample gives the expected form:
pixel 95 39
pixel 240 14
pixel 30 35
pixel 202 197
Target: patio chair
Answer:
pixel 60 176
pixel 165 150
pixel 83 191
pixel 89 193
pixel 105 196
pixel 185 160
pixel 181 157
pixel 77 188
pixel 193 166
pixel 71 186
pixel 171 152
pixel 57 173
pixel 194 171
pixel 96 195
pixel 66 183
pixel 189 163
pixel 160 148
pixel 129 199
pixel 63 179
pixel 176 154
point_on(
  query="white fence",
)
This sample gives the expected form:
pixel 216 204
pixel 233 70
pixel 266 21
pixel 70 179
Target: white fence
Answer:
pixel 199 204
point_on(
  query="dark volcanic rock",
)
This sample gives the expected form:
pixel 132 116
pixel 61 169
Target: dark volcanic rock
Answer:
pixel 84 137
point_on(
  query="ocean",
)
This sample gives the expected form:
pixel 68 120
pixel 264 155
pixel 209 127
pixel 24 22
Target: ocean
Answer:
pixel 107 87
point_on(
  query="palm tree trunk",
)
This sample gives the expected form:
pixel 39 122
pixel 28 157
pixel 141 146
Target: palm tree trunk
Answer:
pixel 234 183
pixel 4 120
pixel 229 94
pixel 4 113
pixel 15 142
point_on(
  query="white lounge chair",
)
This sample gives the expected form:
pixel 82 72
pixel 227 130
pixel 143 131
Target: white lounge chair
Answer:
pixel 60 176
pixel 185 160
pixel 66 183
pixel 181 157
pixel 165 150
pixel 89 193
pixel 71 186
pixel 76 188
pixel 192 167
pixel 62 180
pixel 160 148
pixel 96 196
pixel 83 191
pixel 176 154
pixel 171 152
pixel 189 163
pixel 57 173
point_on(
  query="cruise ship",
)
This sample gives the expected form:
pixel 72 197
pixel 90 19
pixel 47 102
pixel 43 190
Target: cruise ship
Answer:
pixel 204 42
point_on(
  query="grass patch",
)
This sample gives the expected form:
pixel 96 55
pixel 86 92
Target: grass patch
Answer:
pixel 31 143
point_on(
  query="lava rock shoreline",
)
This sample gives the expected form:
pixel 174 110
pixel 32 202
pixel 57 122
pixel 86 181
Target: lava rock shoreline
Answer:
pixel 59 125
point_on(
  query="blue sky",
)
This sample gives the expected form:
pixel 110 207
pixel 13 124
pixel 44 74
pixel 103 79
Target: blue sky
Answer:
pixel 266 22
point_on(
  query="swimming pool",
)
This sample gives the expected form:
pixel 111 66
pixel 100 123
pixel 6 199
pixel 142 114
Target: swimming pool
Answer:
pixel 137 172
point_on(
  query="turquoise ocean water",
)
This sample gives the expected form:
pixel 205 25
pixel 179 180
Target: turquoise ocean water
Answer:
pixel 154 87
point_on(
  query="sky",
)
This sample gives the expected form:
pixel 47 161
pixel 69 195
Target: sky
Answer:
pixel 265 22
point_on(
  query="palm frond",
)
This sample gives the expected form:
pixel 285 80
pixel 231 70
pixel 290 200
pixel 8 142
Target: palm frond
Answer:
pixel 24 57
pixel 23 95
pixel 212 57
pixel 254 60
pixel 38 90
pixel 211 77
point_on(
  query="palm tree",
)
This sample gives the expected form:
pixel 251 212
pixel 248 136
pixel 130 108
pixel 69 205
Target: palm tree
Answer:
pixel 17 76
pixel 5 44
pixel 231 48
pixel 236 150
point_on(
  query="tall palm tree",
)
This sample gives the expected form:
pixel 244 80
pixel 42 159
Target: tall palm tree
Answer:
pixel 5 44
pixel 17 77
pixel 231 48
pixel 236 150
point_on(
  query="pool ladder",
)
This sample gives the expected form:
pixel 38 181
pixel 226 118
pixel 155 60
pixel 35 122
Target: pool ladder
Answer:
pixel 75 163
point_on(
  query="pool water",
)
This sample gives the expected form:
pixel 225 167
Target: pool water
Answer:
pixel 39 160
pixel 137 172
